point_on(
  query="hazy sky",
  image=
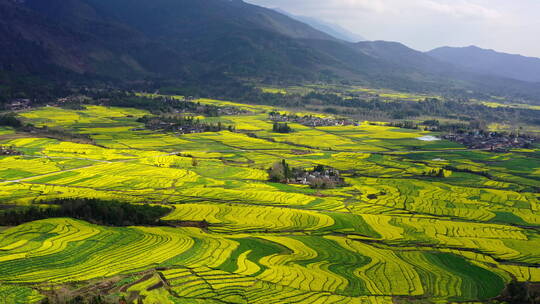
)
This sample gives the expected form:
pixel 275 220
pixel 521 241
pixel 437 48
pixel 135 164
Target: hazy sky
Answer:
pixel 505 25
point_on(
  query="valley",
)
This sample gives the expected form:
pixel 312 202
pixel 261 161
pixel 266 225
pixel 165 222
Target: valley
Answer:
pixel 262 152
pixel 452 225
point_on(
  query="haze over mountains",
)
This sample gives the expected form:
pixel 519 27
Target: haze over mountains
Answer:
pixel 326 27
pixel 214 40
pixel 472 58
pixel 491 62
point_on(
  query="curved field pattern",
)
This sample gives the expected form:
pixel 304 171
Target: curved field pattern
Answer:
pixel 394 233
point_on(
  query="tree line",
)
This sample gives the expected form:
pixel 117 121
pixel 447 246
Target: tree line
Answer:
pixel 109 213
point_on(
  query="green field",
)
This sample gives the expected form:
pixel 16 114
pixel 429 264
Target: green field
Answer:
pixel 394 234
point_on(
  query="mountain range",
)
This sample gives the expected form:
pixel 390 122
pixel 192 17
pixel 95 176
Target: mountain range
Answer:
pixel 209 41
pixel 491 62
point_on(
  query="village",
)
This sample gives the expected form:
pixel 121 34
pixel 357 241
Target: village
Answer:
pixel 310 120
pixel 181 124
pixel 9 151
pixel 492 141
pixel 19 104
pixel 320 177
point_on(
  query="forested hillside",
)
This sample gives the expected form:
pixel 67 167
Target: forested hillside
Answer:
pixel 183 42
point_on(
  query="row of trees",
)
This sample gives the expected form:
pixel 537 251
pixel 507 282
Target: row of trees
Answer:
pixel 96 211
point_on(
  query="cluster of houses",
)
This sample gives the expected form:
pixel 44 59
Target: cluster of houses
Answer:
pixel 73 99
pixel 319 178
pixel 491 141
pixel 223 111
pixel 200 129
pixel 310 120
pixel 8 151
pixel 19 104
pixel 183 125
pixel 327 178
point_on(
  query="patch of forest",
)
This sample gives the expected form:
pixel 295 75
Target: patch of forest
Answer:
pixel 109 213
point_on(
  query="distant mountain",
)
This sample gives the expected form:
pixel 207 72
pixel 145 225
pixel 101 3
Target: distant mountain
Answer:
pixel 491 62
pixel 326 27
pixel 411 67
pixel 401 55
pixel 193 42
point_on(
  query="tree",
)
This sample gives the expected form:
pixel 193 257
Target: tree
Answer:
pixel 280 172
pixel 10 120
pixel 286 170
pixel 281 128
pixel 319 168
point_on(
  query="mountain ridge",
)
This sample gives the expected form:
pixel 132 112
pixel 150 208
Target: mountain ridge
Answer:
pixel 491 62
pixel 211 41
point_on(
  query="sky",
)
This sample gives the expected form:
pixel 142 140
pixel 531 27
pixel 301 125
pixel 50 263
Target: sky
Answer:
pixel 511 26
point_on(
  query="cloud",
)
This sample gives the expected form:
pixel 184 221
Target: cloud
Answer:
pixel 461 9
pixel 453 8
pixel 457 8
pixel 377 6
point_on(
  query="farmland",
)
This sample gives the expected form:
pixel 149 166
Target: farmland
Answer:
pixel 395 233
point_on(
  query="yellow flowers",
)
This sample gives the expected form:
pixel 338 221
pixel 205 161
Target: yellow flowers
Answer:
pixel 242 218
pixel 6 131
pixel 395 229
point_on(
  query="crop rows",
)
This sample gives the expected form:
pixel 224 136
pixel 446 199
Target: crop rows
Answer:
pixel 400 228
pixel 62 250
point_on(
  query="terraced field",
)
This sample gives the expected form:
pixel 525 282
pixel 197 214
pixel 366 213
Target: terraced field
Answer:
pixel 394 234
